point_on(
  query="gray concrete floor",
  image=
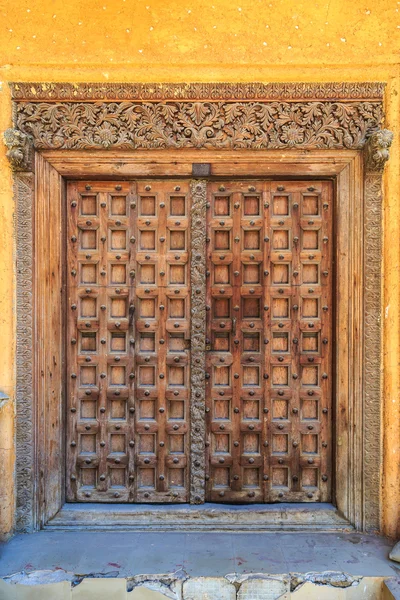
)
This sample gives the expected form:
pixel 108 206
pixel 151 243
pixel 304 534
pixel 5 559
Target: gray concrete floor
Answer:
pixel 211 554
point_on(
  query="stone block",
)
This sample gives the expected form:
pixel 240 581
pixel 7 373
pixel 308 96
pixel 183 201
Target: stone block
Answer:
pixel 100 589
pixel 142 592
pixel 263 589
pixel 208 588
pixel 53 591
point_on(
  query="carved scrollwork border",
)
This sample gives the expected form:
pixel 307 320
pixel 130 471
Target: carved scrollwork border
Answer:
pixel 221 116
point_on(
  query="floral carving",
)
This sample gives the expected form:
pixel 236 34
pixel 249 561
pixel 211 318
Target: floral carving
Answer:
pixel 230 125
pixel 376 150
pixel 20 151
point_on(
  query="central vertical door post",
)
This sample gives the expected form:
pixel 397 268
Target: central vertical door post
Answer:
pixel 198 334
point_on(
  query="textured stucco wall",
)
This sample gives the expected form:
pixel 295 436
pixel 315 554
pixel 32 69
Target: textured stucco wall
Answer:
pixel 205 40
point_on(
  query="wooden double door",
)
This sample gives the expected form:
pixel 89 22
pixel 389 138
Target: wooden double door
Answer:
pixel 267 337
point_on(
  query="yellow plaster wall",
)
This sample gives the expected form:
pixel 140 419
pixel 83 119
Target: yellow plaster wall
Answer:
pixel 206 40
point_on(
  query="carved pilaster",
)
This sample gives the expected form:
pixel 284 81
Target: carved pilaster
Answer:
pixel 20 151
pixel 376 154
pixel 24 199
pixel 198 333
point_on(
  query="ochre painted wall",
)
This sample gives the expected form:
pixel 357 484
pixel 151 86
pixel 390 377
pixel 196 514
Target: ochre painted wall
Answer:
pixel 205 40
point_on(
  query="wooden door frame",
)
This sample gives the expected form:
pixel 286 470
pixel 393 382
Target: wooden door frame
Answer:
pixel 39 188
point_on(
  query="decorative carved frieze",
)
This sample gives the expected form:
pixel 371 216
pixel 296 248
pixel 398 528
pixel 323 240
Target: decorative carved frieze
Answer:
pixel 198 124
pixel 20 149
pixel 198 334
pixel 291 92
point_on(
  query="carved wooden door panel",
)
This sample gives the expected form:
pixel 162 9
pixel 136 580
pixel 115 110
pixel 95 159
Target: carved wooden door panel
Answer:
pixel 128 337
pixel 268 380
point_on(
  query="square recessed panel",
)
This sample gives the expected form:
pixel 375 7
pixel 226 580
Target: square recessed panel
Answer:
pixel 280 308
pixel 147 410
pixel 177 274
pixel 222 239
pixel 280 443
pixel 118 206
pixel 147 273
pixel 280 239
pixel 221 376
pixel 251 239
pixel 309 443
pixel 310 238
pixel 251 308
pixel 117 375
pixel 88 273
pixel 280 375
pixel 118 308
pixel 221 274
pixel 310 273
pixel 117 239
pixel 147 375
pixel 221 342
pixel 251 409
pixel 88 239
pixel 177 240
pixel 88 375
pixel 280 410
pixel 176 308
pixel 88 341
pixel 147 206
pixel 310 204
pixel 309 478
pixel 280 205
pixel 176 376
pixel 251 273
pixel 88 307
pixel 147 342
pixel 310 308
pixel 251 443
pixel 221 443
pixel 251 342
pixel 118 273
pixel 88 409
pixel 280 273
pixel 310 376
pixel 118 341
pixel 117 408
pixel 251 478
pixel 251 206
pixel 147 308
pixel 221 477
pixel 222 409
pixel 222 206
pixel 147 240
pixel 310 342
pixel 176 342
pixel 280 342
pixel 280 477
pixel 89 206
pixel 176 410
pixel 177 206
pixel 309 409
pixel 221 308
pixel 251 376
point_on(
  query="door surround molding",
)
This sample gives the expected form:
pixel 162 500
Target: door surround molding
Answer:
pixel 284 130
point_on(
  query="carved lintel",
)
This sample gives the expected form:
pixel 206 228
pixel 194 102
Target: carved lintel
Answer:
pixel 376 150
pixel 20 150
pixel 198 333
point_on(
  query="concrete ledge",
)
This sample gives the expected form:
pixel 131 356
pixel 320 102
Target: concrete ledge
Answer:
pixel 207 517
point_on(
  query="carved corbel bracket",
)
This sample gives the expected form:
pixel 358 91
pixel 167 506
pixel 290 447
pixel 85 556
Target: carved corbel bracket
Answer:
pixel 376 150
pixel 20 151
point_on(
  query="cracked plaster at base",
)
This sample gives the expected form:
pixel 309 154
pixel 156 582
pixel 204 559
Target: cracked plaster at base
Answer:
pixel 333 585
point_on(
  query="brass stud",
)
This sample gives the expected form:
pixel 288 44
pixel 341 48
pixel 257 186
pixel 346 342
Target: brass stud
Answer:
pixel 280 188
pixel 295 205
